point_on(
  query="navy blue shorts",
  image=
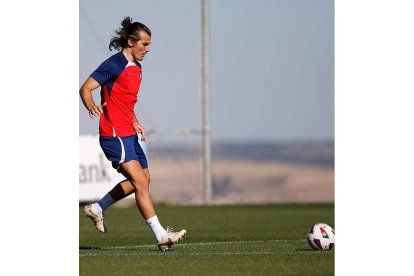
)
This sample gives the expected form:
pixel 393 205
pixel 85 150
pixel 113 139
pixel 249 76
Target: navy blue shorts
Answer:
pixel 123 149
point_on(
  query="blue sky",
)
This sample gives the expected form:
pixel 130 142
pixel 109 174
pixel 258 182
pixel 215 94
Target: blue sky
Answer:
pixel 271 63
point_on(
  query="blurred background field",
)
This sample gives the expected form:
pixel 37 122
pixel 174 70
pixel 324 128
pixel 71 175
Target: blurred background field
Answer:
pixel 259 172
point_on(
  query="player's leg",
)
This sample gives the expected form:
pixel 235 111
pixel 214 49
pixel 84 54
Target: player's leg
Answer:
pixel 113 149
pixel 96 210
pixel 140 179
pixel 120 191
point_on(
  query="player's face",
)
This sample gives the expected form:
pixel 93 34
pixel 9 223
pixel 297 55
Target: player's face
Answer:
pixel 141 47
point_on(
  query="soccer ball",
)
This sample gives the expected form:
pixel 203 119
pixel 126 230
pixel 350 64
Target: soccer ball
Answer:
pixel 321 237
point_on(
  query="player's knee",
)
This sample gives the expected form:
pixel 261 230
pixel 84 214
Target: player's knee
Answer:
pixel 140 182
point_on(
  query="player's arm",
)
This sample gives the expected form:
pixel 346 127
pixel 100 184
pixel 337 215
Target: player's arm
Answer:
pixel 139 128
pixel 85 93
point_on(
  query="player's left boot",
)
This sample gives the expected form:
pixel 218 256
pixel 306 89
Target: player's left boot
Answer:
pixel 171 238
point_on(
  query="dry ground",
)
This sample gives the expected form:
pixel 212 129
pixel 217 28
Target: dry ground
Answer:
pixel 241 181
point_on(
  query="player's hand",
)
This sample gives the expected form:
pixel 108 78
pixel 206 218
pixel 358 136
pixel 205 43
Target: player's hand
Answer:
pixel 140 129
pixel 96 111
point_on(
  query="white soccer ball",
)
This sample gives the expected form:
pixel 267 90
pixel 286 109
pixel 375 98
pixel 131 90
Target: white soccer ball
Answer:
pixel 321 237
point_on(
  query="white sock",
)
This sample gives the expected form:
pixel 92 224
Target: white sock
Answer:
pixel 157 229
pixel 96 209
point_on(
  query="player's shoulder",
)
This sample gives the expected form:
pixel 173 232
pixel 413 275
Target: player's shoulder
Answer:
pixel 115 59
pixel 115 64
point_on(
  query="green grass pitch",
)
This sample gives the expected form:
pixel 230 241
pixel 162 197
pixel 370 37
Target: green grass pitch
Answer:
pixel 221 240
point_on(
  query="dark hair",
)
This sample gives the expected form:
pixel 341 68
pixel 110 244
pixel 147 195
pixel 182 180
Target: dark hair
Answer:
pixel 128 30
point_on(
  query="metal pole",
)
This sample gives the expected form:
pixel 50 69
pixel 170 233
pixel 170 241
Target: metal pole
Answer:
pixel 205 78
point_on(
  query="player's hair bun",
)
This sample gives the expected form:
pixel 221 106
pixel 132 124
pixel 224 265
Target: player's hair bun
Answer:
pixel 126 22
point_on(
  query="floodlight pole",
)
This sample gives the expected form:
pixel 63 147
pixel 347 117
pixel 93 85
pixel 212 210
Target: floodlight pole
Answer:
pixel 205 79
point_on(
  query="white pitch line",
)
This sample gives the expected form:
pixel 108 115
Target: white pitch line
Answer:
pixel 200 243
pixel 140 253
pixel 187 254
pixel 206 253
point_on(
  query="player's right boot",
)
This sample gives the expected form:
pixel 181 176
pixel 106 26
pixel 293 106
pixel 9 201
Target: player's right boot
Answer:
pixel 96 218
pixel 171 238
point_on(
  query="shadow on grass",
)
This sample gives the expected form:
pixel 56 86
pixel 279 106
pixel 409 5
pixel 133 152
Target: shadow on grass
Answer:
pixel 124 249
pixel 90 248
pixel 313 250
pixel 304 249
